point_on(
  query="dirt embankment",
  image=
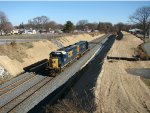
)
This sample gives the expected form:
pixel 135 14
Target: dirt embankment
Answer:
pixel 125 47
pixel 119 90
pixel 15 57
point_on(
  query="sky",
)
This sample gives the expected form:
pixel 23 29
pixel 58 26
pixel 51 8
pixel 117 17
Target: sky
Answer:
pixel 62 11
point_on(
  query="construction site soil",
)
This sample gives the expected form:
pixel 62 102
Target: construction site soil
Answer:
pixel 120 86
pixel 117 86
pixel 15 56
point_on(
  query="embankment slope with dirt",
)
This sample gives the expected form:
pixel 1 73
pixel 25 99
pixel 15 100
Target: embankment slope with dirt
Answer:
pixel 15 57
pixel 117 90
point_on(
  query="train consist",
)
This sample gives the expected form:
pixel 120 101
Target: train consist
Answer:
pixel 61 58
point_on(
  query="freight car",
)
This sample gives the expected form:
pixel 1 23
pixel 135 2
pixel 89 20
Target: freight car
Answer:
pixel 61 58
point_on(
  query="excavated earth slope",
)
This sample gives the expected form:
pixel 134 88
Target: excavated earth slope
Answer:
pixel 16 56
pixel 119 90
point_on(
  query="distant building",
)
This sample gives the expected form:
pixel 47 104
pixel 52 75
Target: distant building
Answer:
pixel 15 31
pixel 51 31
pixel 96 30
pixel 34 31
pixel 42 31
pixel 58 31
pixel 76 31
pixel 28 31
pixel 2 32
pixel 135 31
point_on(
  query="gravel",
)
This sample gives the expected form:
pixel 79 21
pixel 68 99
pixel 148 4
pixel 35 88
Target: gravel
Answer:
pixel 55 83
pixel 14 80
pixel 15 84
pixel 19 90
pixel 25 95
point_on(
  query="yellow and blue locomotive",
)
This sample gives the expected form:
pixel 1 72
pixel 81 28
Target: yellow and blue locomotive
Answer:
pixel 61 58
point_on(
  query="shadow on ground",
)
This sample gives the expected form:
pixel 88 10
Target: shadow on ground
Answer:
pixel 83 89
pixel 37 67
pixel 80 85
pixel 143 72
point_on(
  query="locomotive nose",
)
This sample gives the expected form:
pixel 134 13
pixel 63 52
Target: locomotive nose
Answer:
pixel 50 63
pixel 53 63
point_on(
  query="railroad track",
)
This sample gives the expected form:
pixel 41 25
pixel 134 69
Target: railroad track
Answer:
pixel 15 84
pixel 11 105
pixel 14 80
pixel 16 91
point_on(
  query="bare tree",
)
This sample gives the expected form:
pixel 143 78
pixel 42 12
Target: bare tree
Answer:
pixel 30 24
pixel 119 26
pixel 60 26
pixel 52 25
pixel 142 17
pixel 44 20
pixel 5 25
pixel 3 19
pixel 81 24
pixel 105 27
pixel 38 22
pixel 92 26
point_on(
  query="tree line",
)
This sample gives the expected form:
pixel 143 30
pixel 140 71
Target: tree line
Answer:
pixel 140 19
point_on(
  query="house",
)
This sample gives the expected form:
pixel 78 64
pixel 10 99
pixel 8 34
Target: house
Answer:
pixel 58 31
pixel 30 31
pixel 135 31
pixel 15 31
pixel 42 31
pixel 2 32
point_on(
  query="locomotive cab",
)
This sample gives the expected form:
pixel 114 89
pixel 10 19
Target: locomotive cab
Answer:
pixel 55 60
pixel 63 57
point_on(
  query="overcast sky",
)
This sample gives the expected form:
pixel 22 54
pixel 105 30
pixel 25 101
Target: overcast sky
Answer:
pixel 108 11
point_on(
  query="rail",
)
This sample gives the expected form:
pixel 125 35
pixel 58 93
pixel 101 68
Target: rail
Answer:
pixel 23 94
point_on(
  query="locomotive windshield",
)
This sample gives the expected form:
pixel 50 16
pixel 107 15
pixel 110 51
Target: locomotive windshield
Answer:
pixel 57 54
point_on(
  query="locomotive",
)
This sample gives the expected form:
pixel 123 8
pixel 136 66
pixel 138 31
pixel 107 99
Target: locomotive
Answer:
pixel 61 58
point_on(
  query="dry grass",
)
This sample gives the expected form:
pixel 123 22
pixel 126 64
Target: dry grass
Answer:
pixel 15 50
pixel 95 33
pixel 75 104
pixel 64 106
pixel 15 56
